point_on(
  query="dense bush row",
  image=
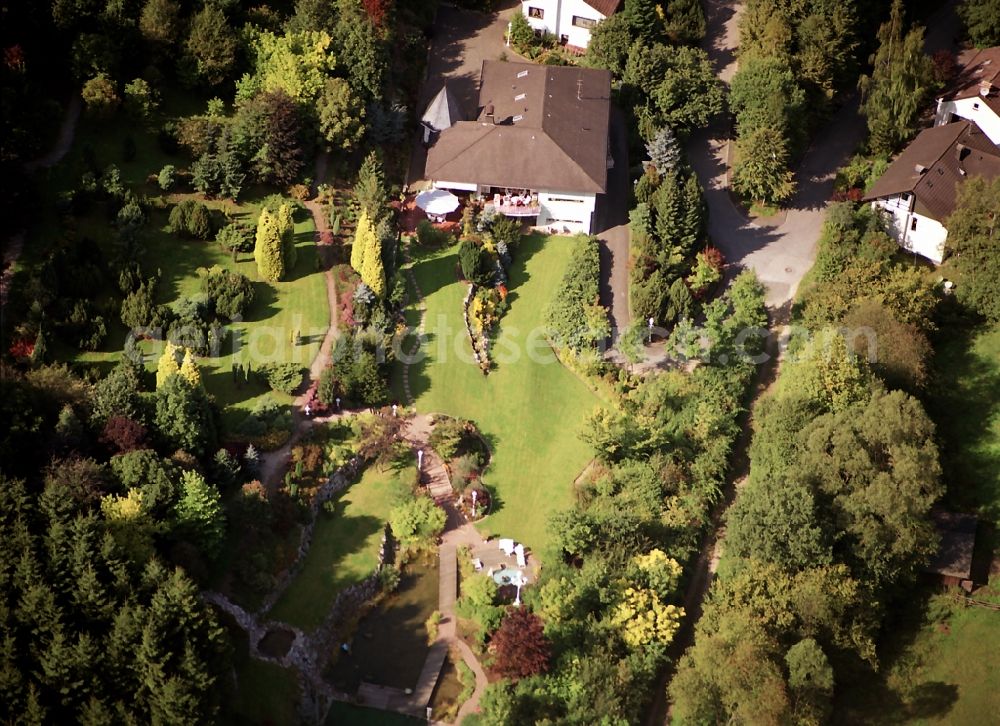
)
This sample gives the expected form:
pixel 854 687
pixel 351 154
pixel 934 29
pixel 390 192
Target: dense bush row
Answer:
pixel 844 472
pixel 576 319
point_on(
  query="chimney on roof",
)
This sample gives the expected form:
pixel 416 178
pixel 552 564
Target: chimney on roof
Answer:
pixel 920 169
pixel 488 113
pixel 985 87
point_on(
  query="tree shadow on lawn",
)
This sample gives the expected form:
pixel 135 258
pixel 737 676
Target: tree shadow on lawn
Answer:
pixel 866 696
pixel 434 273
pixel 220 383
pixel 177 258
pixel 390 644
pixel 420 380
pixel 492 442
pixel 518 273
pixel 965 400
pixel 305 257
pixel 265 302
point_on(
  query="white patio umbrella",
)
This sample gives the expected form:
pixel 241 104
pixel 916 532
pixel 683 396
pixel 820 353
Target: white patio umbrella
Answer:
pixel 437 201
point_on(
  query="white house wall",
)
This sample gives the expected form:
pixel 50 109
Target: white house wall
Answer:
pixel 558 19
pixel 550 14
pixel 926 239
pixel 458 186
pixel 971 109
pixel 572 211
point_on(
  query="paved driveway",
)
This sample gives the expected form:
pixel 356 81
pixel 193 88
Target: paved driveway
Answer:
pixel 780 255
pixel 612 228
pixel 462 40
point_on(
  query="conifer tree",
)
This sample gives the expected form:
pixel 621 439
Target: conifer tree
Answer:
pixel 287 229
pixel 901 80
pixel 372 269
pixel 167 365
pixel 664 151
pixel 199 513
pixel 268 248
pixel 189 369
pixel 40 351
pixel 251 459
pixel 371 190
pixel 184 416
pixel 360 244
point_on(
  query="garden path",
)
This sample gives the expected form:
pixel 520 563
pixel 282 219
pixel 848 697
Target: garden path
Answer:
pixel 67 131
pixel 273 463
pixel 458 532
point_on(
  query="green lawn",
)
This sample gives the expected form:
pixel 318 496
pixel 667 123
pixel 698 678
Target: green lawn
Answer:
pixel 344 547
pixel 965 404
pixel 265 693
pixel 940 665
pixel 299 303
pixel 530 408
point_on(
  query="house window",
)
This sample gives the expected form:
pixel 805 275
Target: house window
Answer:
pixel 565 199
pixel 913 224
pixel 538 13
pixel 583 22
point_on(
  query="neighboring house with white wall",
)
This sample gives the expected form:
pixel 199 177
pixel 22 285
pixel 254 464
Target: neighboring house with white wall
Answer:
pixel 919 189
pixel 569 20
pixel 538 148
pixel 977 94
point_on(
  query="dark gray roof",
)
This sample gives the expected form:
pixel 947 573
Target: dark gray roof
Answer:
pixel 443 111
pixel 549 130
pixel 935 164
pixel 958 540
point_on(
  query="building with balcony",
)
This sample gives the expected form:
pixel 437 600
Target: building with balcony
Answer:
pixel 538 147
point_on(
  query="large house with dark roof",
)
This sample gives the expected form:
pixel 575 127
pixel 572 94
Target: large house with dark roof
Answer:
pixel 919 189
pixel 976 94
pixel 537 147
pixel 569 20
